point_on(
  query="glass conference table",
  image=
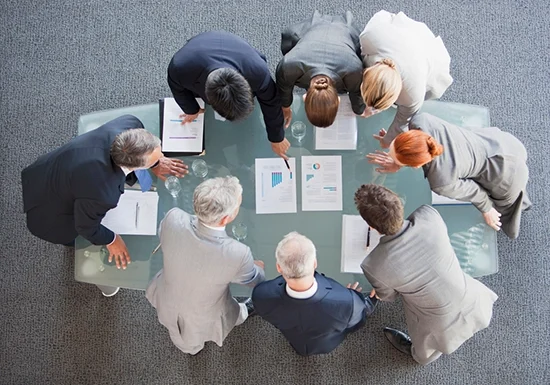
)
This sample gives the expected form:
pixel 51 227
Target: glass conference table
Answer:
pixel 231 149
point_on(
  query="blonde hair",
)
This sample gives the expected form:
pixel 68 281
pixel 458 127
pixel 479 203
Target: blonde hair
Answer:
pixel 381 84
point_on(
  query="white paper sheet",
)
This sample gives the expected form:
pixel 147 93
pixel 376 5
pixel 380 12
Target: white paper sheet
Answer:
pixel 354 243
pixel 135 214
pixel 322 183
pixel 275 186
pixel 177 137
pixel 438 200
pixel 342 135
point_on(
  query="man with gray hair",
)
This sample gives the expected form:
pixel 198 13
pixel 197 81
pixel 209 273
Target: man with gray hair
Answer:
pixel 68 191
pixel 314 312
pixel 191 293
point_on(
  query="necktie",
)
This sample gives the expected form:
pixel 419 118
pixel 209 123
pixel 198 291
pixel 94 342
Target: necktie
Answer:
pixel 144 179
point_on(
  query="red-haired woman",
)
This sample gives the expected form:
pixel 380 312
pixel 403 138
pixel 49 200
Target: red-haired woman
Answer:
pixel 486 166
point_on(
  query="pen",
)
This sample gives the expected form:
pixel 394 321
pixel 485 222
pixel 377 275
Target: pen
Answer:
pixel 156 249
pixel 368 238
pixel 137 214
pixel 287 165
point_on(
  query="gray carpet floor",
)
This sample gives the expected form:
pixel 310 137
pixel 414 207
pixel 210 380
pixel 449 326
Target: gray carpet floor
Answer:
pixel 61 59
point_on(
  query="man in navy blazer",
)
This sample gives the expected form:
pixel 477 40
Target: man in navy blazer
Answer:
pixel 68 191
pixel 314 312
pixel 226 72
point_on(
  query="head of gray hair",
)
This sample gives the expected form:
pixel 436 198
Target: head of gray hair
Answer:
pixel 131 148
pixel 296 256
pixel 217 198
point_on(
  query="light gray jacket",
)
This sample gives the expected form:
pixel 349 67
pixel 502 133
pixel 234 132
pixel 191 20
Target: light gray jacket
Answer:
pixel 484 166
pixel 443 306
pixel 191 293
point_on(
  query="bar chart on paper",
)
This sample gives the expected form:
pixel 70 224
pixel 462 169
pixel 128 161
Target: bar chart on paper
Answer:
pixel 275 186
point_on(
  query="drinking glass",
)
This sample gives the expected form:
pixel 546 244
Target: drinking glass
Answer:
pixel 200 168
pixel 298 130
pixel 240 231
pixel 173 186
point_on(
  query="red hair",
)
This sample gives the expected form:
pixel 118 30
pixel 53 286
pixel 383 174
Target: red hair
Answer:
pixel 415 148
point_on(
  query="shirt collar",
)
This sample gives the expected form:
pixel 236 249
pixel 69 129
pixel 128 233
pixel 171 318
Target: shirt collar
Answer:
pixel 214 227
pixel 125 170
pixel 302 294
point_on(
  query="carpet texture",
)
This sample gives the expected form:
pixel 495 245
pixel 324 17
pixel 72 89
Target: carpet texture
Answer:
pixel 62 59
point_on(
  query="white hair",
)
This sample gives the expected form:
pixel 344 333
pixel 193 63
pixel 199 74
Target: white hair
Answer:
pixel 216 198
pixel 296 256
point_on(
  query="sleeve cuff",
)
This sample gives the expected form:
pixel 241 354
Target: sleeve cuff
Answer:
pixel 114 238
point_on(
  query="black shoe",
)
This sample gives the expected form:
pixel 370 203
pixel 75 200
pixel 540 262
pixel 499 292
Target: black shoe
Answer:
pixel 250 307
pixel 399 340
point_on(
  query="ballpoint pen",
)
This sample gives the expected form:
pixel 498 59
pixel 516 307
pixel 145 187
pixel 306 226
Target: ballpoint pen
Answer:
pixel 137 214
pixel 287 165
pixel 368 238
pixel 156 249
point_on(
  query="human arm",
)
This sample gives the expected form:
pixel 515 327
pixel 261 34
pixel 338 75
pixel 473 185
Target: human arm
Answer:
pixel 183 96
pixel 359 307
pixel 352 82
pixel 286 76
pixel 250 272
pixel 169 166
pixel 270 104
pixel 383 291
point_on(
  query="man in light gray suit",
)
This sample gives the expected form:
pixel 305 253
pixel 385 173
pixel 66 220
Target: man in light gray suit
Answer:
pixel 191 293
pixel 444 307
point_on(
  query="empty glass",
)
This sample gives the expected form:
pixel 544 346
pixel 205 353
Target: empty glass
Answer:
pixel 298 130
pixel 173 186
pixel 240 231
pixel 200 168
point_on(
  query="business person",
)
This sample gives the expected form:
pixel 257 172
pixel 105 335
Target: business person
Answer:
pixel 226 72
pixel 444 307
pixel 191 293
pixel 68 191
pixel 484 166
pixel 314 312
pixel 322 55
pixel 406 64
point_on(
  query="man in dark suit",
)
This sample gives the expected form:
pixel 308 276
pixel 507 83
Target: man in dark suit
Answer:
pixel 68 191
pixel 314 312
pixel 226 72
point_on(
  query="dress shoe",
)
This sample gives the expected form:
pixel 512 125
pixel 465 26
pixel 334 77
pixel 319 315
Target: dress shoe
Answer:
pixel 399 340
pixel 116 289
pixel 250 307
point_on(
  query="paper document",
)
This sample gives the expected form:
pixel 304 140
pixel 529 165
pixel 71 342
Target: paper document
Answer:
pixel 342 135
pixel 438 200
pixel 135 214
pixel 355 233
pixel 275 186
pixel 322 183
pixel 177 137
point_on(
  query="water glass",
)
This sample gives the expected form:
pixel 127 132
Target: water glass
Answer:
pixel 173 186
pixel 298 130
pixel 200 168
pixel 240 231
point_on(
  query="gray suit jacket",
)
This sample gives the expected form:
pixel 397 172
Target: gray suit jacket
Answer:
pixel 443 306
pixel 485 166
pixel 322 45
pixel 191 293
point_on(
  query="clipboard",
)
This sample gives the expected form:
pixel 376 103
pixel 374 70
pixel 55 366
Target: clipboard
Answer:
pixel 173 154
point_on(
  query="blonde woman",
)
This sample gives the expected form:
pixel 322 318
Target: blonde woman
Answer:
pixel 405 64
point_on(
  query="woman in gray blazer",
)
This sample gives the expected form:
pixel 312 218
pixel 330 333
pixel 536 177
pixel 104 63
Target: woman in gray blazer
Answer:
pixel 486 166
pixel 324 72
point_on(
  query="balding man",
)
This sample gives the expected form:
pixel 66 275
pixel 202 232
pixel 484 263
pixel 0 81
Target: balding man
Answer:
pixel 314 312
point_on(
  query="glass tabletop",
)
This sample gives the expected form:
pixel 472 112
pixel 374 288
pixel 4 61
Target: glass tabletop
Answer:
pixel 231 149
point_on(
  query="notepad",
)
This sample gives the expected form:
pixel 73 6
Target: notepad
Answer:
pixel 342 134
pixel 135 214
pixel 438 200
pixel 354 243
pixel 177 138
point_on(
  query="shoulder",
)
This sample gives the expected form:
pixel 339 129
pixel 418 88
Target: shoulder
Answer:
pixel 123 122
pixel 424 122
pixel 268 289
pixel 426 213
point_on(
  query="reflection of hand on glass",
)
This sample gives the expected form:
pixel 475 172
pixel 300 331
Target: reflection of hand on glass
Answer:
pixel 386 163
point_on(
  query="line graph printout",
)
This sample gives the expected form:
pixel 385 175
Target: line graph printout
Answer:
pixel 275 186
pixel 322 183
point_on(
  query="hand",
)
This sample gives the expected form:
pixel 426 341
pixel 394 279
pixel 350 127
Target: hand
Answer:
pixel 168 166
pixel 287 113
pixel 380 138
pixel 383 159
pixel 354 287
pixel 119 252
pixel 373 294
pixel 259 263
pixel 369 111
pixel 186 118
pixel 281 148
pixel 492 218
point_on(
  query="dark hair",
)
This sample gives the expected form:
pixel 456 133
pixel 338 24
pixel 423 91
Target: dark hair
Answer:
pixel 321 102
pixel 380 207
pixel 229 94
pixel 132 147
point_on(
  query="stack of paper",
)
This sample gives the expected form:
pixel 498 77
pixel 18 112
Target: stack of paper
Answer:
pixel 322 183
pixel 354 243
pixel 438 200
pixel 275 186
pixel 342 134
pixel 135 214
pixel 177 137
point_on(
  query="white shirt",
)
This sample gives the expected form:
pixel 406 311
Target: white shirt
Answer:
pixel 125 170
pixel 302 294
pixel 214 227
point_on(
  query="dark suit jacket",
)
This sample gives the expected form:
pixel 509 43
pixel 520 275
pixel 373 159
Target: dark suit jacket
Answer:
pixel 68 191
pixel 209 51
pixel 315 325
pixel 322 45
